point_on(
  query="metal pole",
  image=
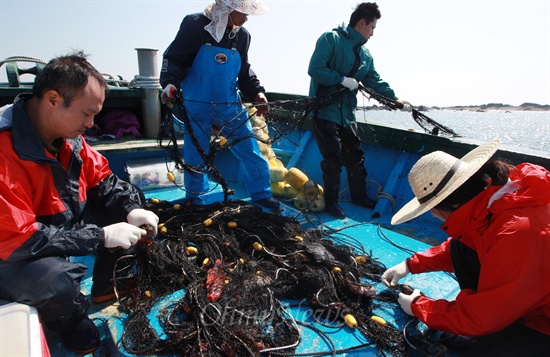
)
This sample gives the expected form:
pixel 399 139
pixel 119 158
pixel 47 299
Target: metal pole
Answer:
pixel 149 70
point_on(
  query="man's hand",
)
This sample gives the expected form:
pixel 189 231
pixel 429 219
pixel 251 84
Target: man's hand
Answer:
pixel 350 83
pixel 262 109
pixel 139 217
pixel 123 235
pixel 404 105
pixel 391 277
pixel 405 301
pixel 168 94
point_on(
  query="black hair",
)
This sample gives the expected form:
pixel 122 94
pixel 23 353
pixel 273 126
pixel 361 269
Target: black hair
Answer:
pixel 367 10
pixel 67 75
pixel 493 173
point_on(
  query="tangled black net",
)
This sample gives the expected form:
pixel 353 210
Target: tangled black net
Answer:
pixel 429 125
pixel 222 271
pixel 234 264
pixel 282 117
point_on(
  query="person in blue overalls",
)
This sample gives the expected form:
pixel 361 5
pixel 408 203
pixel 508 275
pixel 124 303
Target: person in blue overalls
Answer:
pixel 208 62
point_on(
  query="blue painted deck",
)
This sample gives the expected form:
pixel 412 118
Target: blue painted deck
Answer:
pixel 382 243
pixel 387 184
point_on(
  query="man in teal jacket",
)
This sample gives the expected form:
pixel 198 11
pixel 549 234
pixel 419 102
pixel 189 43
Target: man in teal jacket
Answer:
pixel 340 60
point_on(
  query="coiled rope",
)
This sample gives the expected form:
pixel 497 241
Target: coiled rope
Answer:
pixel 21 59
pixel 116 81
pixel 145 82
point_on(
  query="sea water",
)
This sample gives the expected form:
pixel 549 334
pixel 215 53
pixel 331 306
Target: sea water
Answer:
pixel 528 131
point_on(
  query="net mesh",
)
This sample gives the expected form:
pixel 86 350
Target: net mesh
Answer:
pixel 224 273
pixel 238 270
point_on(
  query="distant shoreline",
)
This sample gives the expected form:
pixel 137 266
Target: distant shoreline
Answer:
pixel 476 108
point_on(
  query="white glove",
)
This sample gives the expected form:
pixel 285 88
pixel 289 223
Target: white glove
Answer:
pixel 140 216
pixel 122 235
pixel 350 83
pixel 406 106
pixel 391 277
pixel 168 94
pixel 406 300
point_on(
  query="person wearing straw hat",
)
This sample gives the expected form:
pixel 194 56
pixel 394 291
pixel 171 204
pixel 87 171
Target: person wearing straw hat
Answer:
pixel 498 220
pixel 208 62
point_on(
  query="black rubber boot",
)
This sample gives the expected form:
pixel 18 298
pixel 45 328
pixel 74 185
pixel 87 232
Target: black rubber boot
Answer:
pixel 335 210
pixel 103 287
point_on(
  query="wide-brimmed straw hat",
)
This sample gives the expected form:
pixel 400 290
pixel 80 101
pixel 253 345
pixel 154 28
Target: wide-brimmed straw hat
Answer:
pixel 435 176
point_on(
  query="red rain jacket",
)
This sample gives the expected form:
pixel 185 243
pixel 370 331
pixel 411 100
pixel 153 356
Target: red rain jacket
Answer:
pixel 512 240
pixel 42 199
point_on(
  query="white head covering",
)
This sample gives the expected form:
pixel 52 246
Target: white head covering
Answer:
pixel 435 176
pixel 219 12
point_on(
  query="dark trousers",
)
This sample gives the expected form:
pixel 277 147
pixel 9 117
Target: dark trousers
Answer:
pixel 52 284
pixel 340 146
pixel 515 340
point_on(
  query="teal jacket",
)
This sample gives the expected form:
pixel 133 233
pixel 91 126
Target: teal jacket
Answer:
pixel 333 58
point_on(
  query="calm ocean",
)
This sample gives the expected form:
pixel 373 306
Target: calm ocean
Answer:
pixel 524 130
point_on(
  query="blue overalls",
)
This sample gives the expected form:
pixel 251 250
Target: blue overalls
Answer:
pixel 210 92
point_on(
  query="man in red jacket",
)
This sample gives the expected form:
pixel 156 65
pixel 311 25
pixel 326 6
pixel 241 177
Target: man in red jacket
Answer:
pixel 498 219
pixel 59 198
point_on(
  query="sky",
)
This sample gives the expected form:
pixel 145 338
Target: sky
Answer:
pixel 434 53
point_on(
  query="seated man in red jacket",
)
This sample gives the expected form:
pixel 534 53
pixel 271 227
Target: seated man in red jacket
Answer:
pixel 498 219
pixel 59 198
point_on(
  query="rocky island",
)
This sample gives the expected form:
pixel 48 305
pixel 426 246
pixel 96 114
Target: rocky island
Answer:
pixel 476 108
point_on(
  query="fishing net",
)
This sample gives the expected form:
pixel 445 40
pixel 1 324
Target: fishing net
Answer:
pixel 226 274
pixel 283 118
pixel 429 125
pixel 222 279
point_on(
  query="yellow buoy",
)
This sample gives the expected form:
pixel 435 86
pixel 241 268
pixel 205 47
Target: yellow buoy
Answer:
pixel 277 188
pixel 289 192
pixel 320 189
pixel 378 320
pixel 191 250
pixel 337 270
pixel 171 177
pixel 296 178
pixel 300 202
pixel 257 246
pixel 155 200
pixel 207 222
pixel 277 173
pixel 275 162
pixel 318 204
pixel 205 262
pixel 350 320
pixel 310 190
pixel 360 259
pixel 232 224
pixel 251 111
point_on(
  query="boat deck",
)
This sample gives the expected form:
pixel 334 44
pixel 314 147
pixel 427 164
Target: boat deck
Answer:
pixel 387 246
